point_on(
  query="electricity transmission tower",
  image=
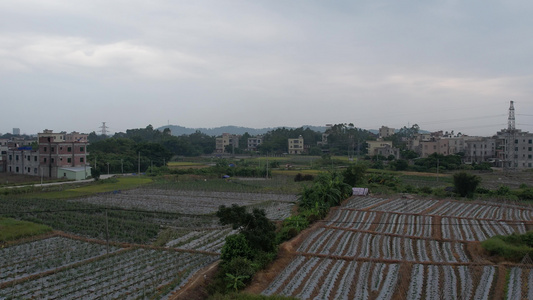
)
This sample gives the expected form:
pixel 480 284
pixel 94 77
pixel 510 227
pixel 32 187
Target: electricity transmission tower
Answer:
pixel 104 128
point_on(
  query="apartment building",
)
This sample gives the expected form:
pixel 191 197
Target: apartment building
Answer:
pixel 373 146
pixel 254 142
pixel 59 153
pixel 23 160
pixel 480 149
pixel 296 146
pixel 385 131
pixel 514 149
pixel 3 155
pixel 225 140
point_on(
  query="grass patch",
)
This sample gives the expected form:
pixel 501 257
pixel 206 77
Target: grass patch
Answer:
pixel 511 247
pixel 175 165
pixel 11 229
pixel 295 172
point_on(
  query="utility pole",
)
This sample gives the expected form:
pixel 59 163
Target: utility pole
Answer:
pixel 267 167
pixel 106 232
pixel 437 170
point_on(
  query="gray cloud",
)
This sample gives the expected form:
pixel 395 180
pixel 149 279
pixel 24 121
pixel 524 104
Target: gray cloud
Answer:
pixel 264 63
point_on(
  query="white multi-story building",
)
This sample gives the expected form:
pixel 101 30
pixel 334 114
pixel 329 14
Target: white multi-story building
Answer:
pixel 514 149
pixel 296 146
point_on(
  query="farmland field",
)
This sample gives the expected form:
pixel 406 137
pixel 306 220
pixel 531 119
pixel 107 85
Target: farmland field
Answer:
pixel 379 248
pixel 62 267
pixel 186 202
pixel 80 264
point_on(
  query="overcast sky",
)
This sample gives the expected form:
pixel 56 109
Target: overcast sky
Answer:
pixel 70 65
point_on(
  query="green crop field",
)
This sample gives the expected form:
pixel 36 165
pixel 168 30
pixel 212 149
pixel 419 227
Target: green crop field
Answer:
pixel 11 229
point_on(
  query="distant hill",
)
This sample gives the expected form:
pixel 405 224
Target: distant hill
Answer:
pixel 180 130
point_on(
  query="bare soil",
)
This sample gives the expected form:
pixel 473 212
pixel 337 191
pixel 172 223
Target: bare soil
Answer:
pixel 14 179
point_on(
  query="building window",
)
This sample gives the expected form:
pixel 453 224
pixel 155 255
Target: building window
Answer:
pixel 44 149
pixel 17 169
pixel 45 159
pixel 82 149
pixel 81 159
pixel 10 157
pixel 69 160
pixel 16 158
pixel 51 149
pixel 35 158
pixel 52 160
pixel 69 149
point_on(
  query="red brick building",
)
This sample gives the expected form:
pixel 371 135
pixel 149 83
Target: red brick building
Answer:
pixel 61 150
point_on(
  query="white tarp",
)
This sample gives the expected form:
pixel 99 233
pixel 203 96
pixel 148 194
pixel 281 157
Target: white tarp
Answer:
pixel 359 191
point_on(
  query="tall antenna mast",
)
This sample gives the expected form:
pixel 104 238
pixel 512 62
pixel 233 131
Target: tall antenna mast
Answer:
pixel 511 137
pixel 511 121
pixel 104 129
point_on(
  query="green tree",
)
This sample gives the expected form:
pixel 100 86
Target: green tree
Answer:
pixel 95 173
pixel 465 184
pixel 236 246
pixel 258 230
pixel 355 173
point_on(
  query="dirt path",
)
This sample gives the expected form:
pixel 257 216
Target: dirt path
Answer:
pixel 196 288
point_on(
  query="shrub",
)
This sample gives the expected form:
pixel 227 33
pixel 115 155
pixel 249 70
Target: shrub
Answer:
pixel 442 193
pixel 426 190
pixel 481 190
pixel 302 177
pixel 503 190
pixel 513 247
pixel 236 246
pixel 409 189
pixel 525 194
pixel 291 227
